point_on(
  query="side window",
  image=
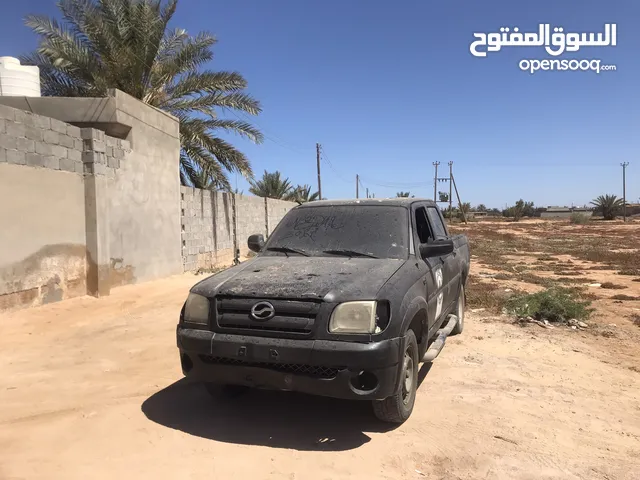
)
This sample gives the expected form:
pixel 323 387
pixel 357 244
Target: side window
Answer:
pixel 439 229
pixel 422 225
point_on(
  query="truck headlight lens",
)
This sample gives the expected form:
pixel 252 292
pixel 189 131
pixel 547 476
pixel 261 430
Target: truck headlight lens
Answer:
pixel 196 310
pixel 353 317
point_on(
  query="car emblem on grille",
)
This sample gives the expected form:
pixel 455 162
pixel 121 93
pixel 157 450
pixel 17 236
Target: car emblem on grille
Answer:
pixel 262 311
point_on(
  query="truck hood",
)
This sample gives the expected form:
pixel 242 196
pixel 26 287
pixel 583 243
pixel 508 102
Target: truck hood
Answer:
pixel 334 279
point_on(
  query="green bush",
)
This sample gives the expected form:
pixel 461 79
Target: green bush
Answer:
pixel 579 218
pixel 554 304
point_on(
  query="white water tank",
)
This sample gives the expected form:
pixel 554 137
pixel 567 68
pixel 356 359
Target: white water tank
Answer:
pixel 18 80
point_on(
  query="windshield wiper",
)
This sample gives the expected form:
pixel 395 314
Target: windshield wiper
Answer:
pixel 350 253
pixel 286 250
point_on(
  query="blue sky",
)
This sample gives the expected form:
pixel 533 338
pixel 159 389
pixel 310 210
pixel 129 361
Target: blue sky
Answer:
pixel 388 88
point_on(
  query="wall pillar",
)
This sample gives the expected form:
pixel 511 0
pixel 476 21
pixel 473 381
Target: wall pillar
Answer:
pixel 96 191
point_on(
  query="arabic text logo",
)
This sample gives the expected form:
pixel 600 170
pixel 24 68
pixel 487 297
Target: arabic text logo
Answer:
pixel 555 43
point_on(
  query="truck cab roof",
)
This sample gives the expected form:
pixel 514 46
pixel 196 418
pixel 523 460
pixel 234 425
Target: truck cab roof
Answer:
pixel 388 202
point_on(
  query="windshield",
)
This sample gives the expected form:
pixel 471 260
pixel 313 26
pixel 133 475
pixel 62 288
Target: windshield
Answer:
pixel 344 230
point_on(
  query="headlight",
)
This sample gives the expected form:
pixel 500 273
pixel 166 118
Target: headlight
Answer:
pixel 353 317
pixel 196 310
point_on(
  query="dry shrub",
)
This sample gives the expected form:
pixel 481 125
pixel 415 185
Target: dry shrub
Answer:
pixel 612 286
pixel 554 304
pixel 624 297
pixel 635 319
pixel 632 271
pixel 579 219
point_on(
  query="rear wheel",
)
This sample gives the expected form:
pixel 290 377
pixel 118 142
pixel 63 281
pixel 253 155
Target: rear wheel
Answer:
pixel 459 312
pixel 397 408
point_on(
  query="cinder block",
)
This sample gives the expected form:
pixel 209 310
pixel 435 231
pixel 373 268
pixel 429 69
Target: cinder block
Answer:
pixel 113 162
pixel 66 141
pixel 41 122
pixel 16 129
pixel 51 137
pixel 88 168
pixel 79 166
pixel 3 125
pixel 98 146
pixel 3 155
pixel 34 133
pixel 26 145
pixel 51 162
pixel 58 126
pixel 7 112
pixel 43 148
pixel 35 160
pixel 118 153
pixel 74 155
pixel 9 142
pixel 78 144
pixel 73 131
pixel 111 141
pixel 24 117
pixel 59 151
pixel 99 169
pixel 67 165
pixel 16 157
pixel 125 145
pixel 109 151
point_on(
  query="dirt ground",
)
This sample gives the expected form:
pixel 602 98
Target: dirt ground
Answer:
pixel 91 388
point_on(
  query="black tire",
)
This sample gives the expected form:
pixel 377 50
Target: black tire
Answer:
pixel 459 312
pixel 397 408
pixel 232 391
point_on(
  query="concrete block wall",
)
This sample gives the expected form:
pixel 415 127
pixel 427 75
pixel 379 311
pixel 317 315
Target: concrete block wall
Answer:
pixel 44 252
pixel 214 223
pixel 89 196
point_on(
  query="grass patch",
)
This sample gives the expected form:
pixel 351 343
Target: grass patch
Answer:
pixel 547 258
pixel 527 277
pixel 566 273
pixel 579 219
pixel 632 272
pixel 555 304
pixel 485 295
pixel 624 297
pixel 612 286
pixel 636 280
pixel 503 276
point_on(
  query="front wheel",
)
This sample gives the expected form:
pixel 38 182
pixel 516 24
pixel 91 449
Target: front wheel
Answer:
pixel 460 305
pixel 397 408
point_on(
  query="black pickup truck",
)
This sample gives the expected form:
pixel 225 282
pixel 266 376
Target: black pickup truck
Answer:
pixel 344 299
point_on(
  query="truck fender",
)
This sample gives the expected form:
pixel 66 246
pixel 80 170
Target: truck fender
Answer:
pixel 417 305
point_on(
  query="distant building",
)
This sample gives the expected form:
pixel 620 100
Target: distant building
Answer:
pixel 565 212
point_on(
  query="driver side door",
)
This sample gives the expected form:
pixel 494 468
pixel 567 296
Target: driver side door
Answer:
pixel 433 280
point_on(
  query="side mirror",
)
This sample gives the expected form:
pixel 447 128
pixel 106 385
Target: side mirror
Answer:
pixel 439 248
pixel 256 242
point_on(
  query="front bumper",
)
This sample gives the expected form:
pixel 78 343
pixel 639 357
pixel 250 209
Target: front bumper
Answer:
pixel 318 367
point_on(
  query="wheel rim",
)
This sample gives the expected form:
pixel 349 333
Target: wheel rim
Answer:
pixel 408 383
pixel 461 308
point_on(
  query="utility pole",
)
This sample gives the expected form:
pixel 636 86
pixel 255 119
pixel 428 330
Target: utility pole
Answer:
pixel 357 184
pixel 624 190
pixel 435 182
pixel 450 189
pixel 318 161
pixel 464 216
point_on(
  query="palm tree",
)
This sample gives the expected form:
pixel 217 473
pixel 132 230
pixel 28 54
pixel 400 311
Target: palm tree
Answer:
pixel 271 185
pixel 125 44
pixel 609 205
pixel 302 194
pixel 402 194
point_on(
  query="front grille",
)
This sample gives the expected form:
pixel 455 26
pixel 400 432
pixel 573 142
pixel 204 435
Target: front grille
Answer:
pixel 291 316
pixel 297 369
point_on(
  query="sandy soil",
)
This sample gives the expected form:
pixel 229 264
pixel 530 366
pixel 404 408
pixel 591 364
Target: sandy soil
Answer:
pixel 91 388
